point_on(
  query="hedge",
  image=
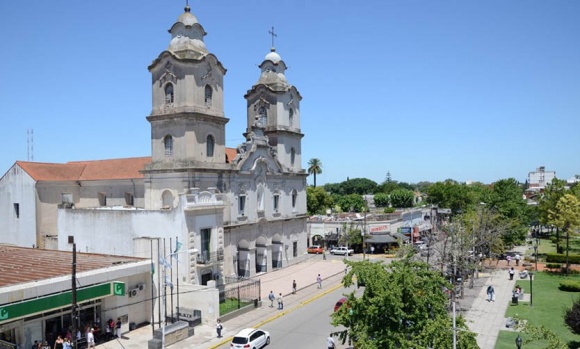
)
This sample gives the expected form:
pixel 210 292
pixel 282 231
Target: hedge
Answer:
pixel 561 258
pixel 570 286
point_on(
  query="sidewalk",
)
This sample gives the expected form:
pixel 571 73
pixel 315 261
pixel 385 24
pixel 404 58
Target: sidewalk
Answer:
pixel 280 281
pixel 485 318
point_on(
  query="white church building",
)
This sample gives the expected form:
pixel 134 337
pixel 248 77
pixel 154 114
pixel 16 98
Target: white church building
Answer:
pixel 239 212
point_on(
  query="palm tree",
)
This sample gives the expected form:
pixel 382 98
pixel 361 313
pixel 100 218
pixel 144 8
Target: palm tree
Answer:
pixel 314 167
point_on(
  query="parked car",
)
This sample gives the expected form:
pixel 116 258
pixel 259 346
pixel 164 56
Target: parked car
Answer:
pixel 339 304
pixel 250 338
pixel 317 249
pixel 342 250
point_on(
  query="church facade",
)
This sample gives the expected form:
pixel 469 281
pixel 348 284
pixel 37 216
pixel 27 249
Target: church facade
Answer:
pixel 238 211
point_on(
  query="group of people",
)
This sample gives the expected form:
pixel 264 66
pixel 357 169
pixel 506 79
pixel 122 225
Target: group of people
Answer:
pixel 279 299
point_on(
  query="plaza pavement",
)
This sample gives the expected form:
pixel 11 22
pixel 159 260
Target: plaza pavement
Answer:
pixel 484 318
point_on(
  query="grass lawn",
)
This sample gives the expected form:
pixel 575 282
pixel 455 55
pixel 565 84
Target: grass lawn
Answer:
pixel 548 310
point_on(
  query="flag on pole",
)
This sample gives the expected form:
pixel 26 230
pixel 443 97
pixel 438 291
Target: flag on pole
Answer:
pixel 168 281
pixel 164 263
pixel 177 248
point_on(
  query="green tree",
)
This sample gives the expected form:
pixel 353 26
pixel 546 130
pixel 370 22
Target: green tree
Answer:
pixel 314 168
pixel 317 200
pixel 451 194
pixel 381 200
pixel 359 186
pixel 507 200
pixel 352 202
pixel 548 201
pixel 566 216
pixel 402 198
pixel 403 305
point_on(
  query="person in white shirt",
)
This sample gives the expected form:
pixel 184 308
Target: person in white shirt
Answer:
pixel 90 339
pixel 330 342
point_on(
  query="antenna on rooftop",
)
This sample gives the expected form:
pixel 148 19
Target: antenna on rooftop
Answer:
pixel 30 144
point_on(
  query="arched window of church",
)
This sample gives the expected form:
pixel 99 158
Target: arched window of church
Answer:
pixel 292 156
pixel 263 116
pixel 241 202
pixel 169 93
pixel 168 143
pixel 210 144
pixel 291 117
pixel 167 199
pixel 294 199
pixel 276 202
pixel 260 193
pixel 208 95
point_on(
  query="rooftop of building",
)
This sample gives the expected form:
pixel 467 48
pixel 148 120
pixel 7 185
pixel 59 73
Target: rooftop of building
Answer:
pixel 25 264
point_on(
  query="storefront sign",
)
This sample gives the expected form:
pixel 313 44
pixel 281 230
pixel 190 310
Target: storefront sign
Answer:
pixel 379 229
pixel 56 301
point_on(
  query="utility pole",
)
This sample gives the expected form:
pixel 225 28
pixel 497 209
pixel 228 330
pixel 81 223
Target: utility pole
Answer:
pixel 74 313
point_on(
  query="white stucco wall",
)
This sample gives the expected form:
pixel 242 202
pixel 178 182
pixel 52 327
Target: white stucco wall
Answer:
pixel 16 186
pixel 113 231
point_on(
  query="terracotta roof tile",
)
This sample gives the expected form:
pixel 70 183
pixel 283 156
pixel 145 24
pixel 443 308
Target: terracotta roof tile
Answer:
pixel 231 154
pixel 22 264
pixel 40 171
pixel 112 169
pixel 126 168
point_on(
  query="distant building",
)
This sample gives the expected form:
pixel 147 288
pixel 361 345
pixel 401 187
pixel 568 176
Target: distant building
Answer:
pixel 538 179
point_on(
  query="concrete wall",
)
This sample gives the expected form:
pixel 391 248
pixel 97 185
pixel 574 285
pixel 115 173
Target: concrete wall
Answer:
pixel 16 186
pixel 113 231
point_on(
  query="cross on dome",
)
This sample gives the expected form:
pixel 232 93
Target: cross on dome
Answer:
pixel 271 32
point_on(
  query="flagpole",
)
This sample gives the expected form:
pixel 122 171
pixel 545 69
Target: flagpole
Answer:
pixel 171 275
pixel 177 272
pixel 159 283
pixel 152 283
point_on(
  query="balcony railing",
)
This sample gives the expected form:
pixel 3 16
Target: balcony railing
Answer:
pixel 207 257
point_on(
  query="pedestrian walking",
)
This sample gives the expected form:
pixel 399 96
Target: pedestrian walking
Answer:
pixel 490 293
pixel 319 281
pixel 271 297
pixel 330 342
pixel 293 286
pixel 323 254
pixel 518 259
pixel 218 328
pixel 280 302
pixel 90 339
pixel 512 272
pixel 508 259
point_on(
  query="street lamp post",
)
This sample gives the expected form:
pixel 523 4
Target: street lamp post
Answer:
pixel 166 262
pixel 536 254
pixel 531 275
pixel 363 232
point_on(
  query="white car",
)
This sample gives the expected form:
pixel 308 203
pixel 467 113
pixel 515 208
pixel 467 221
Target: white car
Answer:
pixel 342 250
pixel 250 338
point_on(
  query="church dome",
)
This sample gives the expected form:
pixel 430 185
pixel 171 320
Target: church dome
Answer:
pixel 187 18
pixel 187 37
pixel 273 56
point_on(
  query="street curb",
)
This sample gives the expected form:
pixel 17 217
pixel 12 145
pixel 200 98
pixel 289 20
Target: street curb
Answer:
pixel 282 313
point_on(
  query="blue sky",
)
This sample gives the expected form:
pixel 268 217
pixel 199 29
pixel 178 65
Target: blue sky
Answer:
pixel 425 90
